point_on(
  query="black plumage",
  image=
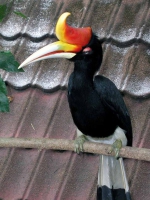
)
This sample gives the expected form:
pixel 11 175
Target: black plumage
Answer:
pixel 96 104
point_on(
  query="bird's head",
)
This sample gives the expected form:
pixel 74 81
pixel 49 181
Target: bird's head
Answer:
pixel 74 44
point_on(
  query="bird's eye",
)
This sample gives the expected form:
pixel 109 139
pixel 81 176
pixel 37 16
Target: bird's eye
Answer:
pixel 87 50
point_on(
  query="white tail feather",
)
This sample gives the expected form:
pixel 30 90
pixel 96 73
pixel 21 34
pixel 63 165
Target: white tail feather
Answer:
pixel 112 173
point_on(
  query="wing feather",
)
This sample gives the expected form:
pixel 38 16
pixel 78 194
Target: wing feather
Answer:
pixel 113 100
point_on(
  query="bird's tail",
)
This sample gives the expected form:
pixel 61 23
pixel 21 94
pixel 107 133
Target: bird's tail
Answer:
pixel 112 181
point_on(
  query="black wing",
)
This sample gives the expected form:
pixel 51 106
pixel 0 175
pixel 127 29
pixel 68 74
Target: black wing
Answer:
pixel 111 97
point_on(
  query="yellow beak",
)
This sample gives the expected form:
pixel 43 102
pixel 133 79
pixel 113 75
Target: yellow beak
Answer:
pixel 72 40
pixel 55 50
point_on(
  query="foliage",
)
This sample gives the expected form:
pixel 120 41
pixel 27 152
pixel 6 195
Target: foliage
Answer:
pixel 20 14
pixel 7 63
pixel 7 60
pixel 5 9
pixel 4 102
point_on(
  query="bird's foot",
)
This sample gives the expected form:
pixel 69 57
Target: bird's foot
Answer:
pixel 78 144
pixel 117 145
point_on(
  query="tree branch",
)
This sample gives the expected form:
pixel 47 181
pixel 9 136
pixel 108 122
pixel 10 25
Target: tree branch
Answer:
pixel 61 144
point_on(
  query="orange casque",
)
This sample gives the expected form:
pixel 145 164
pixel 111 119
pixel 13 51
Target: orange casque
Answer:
pixel 71 35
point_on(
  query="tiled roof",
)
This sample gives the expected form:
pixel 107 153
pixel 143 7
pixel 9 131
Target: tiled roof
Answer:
pixel 40 107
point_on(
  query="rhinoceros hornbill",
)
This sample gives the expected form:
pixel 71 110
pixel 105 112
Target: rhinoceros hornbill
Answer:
pixel 96 105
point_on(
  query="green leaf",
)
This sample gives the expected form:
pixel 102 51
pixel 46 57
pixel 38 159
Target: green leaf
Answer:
pixel 8 62
pixel 3 11
pixel 4 102
pixel 20 14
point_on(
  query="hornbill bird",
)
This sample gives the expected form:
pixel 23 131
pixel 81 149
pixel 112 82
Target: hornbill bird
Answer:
pixel 96 105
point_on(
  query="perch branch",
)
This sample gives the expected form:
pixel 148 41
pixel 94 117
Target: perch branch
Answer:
pixel 61 144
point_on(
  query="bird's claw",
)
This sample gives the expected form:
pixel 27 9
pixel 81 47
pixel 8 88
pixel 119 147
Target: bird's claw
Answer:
pixel 78 144
pixel 117 145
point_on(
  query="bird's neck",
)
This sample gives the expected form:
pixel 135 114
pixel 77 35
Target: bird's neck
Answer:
pixel 82 77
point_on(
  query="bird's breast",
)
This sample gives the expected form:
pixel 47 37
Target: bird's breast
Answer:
pixel 89 113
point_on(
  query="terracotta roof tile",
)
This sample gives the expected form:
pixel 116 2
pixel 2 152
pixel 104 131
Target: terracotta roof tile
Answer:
pixel 40 107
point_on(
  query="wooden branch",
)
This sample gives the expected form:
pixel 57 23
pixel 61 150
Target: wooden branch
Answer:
pixel 61 144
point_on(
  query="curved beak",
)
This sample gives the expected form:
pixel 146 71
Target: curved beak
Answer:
pixel 55 50
pixel 72 40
